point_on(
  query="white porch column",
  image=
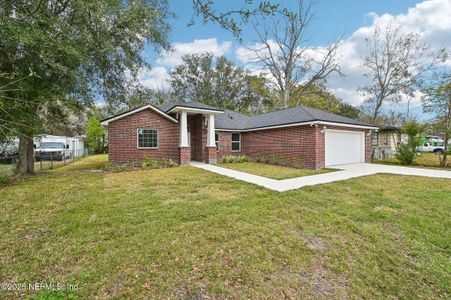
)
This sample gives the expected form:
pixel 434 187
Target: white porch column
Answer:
pixel 183 129
pixel 211 131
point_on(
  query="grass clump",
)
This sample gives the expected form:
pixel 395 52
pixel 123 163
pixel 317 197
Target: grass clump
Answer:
pixel 228 159
pixel 158 163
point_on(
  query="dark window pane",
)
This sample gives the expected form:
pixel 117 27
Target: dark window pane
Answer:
pixel 235 146
pixel 235 137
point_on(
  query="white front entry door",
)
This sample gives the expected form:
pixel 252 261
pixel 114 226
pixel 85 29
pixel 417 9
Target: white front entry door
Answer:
pixel 344 147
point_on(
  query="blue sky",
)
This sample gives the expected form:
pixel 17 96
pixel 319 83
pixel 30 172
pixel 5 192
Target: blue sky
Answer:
pixel 354 19
pixel 330 18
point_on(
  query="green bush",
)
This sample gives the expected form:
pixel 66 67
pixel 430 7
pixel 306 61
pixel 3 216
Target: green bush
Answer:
pixel 158 163
pixel 4 179
pixel 242 158
pixel 129 166
pixel 407 151
pixel 406 154
pixel 227 159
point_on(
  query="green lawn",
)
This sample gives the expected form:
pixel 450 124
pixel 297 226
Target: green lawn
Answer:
pixel 6 170
pixel 273 171
pixel 429 160
pixel 189 234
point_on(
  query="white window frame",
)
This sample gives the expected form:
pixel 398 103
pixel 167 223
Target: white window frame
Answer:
pixel 374 133
pixel 232 141
pixel 137 138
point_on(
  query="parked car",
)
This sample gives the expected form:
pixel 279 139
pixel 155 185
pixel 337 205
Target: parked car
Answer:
pixel 432 145
pixel 8 150
pixel 52 151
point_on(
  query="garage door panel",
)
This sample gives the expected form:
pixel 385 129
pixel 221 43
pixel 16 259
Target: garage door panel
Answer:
pixel 343 147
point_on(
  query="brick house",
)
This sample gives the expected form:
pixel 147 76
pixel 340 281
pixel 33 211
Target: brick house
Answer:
pixel 195 131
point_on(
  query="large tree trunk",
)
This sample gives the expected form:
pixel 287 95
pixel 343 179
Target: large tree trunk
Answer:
pixel 286 97
pixel 25 165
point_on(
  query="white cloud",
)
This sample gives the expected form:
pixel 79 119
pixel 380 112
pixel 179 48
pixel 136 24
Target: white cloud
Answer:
pixel 174 57
pixel 431 19
pixel 155 78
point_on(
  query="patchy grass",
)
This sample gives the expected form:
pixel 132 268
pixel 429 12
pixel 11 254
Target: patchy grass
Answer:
pixel 6 170
pixel 429 160
pixel 273 171
pixel 186 233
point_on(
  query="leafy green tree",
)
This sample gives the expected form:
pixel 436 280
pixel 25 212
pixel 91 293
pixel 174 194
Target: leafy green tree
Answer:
pixel 317 96
pixel 437 100
pixel 95 135
pixel 75 51
pixel 407 151
pixel 218 82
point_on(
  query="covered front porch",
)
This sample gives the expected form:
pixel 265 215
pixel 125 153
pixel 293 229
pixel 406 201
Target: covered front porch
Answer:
pixel 197 134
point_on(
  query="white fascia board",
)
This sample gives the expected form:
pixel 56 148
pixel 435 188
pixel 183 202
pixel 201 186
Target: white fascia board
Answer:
pixel 194 110
pixel 348 125
pixel 105 123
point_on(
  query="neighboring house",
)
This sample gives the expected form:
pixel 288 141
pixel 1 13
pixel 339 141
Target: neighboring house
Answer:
pixel 387 139
pixel 195 131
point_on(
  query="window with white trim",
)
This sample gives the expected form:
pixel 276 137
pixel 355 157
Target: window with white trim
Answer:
pixel 147 138
pixel 236 141
pixel 374 138
pixel 217 141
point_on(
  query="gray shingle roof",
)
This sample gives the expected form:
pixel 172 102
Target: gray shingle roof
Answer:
pixel 236 121
pixel 231 120
pixel 298 114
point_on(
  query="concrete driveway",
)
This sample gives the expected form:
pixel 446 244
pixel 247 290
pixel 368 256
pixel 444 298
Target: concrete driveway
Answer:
pixel 347 172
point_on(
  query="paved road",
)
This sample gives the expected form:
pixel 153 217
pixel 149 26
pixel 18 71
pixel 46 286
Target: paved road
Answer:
pixel 347 172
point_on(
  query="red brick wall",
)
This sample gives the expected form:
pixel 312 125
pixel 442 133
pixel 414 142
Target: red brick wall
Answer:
pixel 122 137
pixel 225 144
pixel 300 144
pixel 297 144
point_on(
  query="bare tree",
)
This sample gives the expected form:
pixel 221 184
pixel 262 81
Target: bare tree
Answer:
pixel 395 63
pixel 284 50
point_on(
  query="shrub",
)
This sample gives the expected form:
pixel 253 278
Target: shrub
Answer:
pixel 4 179
pixel 242 158
pixel 406 152
pixel 227 159
pixel 129 166
pixel 158 163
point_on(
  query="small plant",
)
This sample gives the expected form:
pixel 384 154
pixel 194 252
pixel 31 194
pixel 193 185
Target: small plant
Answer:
pixel 407 151
pixel 4 179
pixel 129 166
pixel 242 158
pixel 158 163
pixel 227 159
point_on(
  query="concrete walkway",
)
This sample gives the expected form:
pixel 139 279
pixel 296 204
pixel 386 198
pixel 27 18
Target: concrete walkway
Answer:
pixel 347 172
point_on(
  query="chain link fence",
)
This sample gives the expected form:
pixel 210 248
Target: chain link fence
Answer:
pixel 42 160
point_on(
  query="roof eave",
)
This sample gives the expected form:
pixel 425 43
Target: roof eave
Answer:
pixel 155 109
pixel 179 108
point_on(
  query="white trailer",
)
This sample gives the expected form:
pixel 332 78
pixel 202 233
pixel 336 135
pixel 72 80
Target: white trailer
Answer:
pixel 74 146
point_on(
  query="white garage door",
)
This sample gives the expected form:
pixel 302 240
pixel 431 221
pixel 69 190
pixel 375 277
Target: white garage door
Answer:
pixel 344 147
